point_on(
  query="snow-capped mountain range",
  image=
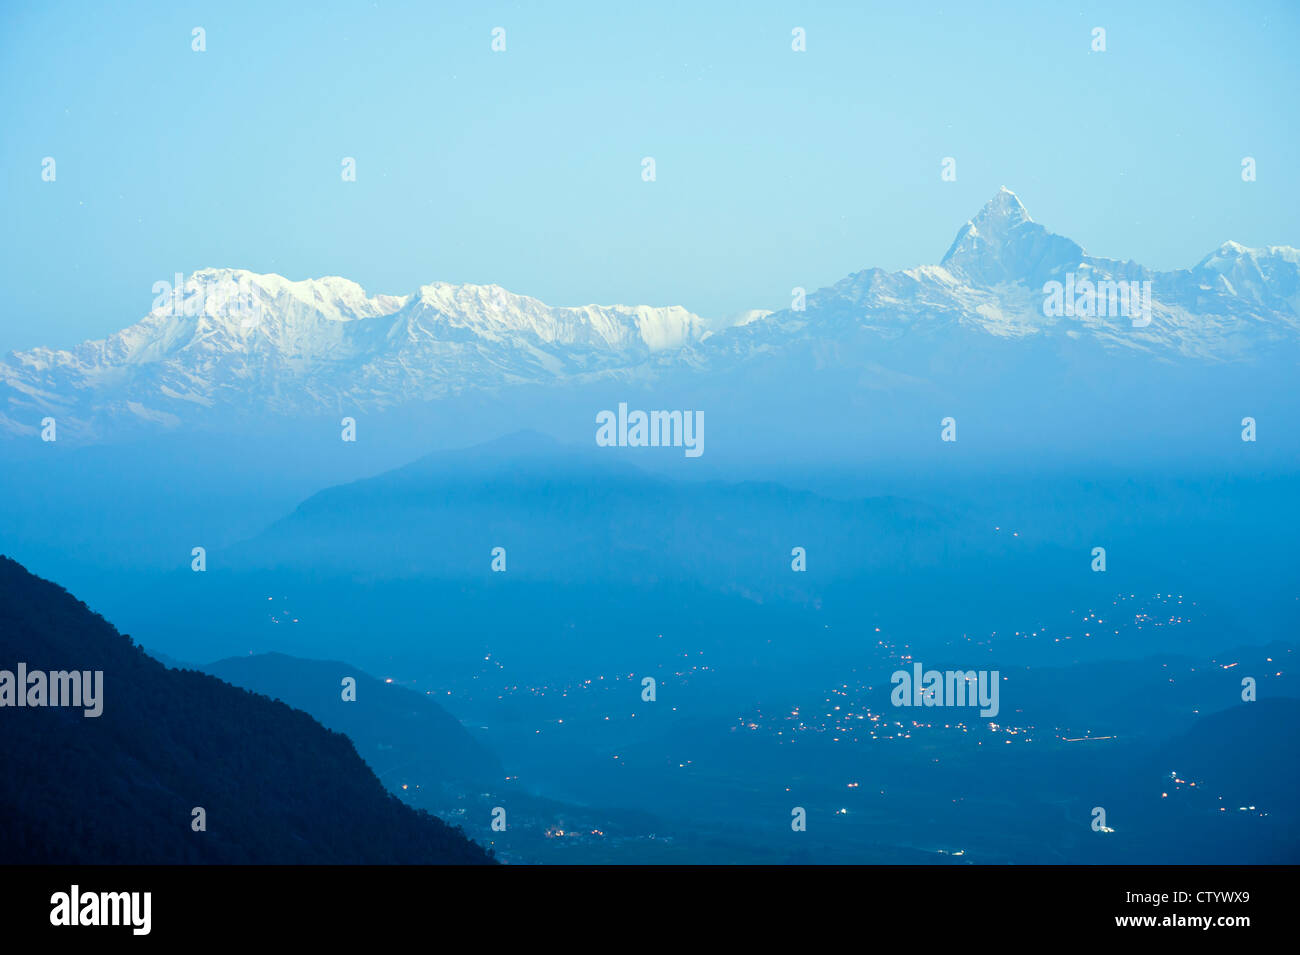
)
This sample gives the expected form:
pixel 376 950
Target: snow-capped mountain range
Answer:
pixel 1236 303
pixel 237 342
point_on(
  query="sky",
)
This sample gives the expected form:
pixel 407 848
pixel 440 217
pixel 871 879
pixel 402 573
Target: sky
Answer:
pixel 523 168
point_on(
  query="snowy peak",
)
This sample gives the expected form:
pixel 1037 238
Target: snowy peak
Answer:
pixel 993 285
pixel 1233 254
pixel 491 312
pixel 993 226
pixel 1002 244
pixel 1001 213
pixel 229 293
pixel 1268 277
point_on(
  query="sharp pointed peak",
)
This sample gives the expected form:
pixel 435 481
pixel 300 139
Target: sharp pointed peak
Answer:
pixel 1005 207
pixel 1003 243
pixel 999 217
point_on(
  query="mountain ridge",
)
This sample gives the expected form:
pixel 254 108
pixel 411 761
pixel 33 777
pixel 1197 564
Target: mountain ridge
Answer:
pixel 229 341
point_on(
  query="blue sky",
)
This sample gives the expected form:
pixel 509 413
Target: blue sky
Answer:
pixel 523 168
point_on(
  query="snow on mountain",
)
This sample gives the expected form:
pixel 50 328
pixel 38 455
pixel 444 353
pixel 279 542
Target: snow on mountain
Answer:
pixel 237 342
pixel 1002 244
pixel 1236 303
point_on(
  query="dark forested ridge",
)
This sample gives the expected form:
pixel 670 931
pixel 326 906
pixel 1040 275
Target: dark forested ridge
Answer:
pixel 277 787
pixel 404 735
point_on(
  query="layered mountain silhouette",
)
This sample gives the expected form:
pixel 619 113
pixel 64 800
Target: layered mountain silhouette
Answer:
pixel 1223 790
pixel 231 343
pixel 121 788
pixel 1250 754
pixel 567 513
pixel 404 736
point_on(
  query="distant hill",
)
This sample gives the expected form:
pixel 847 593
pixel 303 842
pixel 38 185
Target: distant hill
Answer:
pixel 1250 754
pixel 1220 792
pixel 404 736
pixel 120 788
pixel 578 514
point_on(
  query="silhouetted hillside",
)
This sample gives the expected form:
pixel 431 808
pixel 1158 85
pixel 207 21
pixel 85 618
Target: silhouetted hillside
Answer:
pixel 1249 754
pixel 120 788
pixel 404 736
